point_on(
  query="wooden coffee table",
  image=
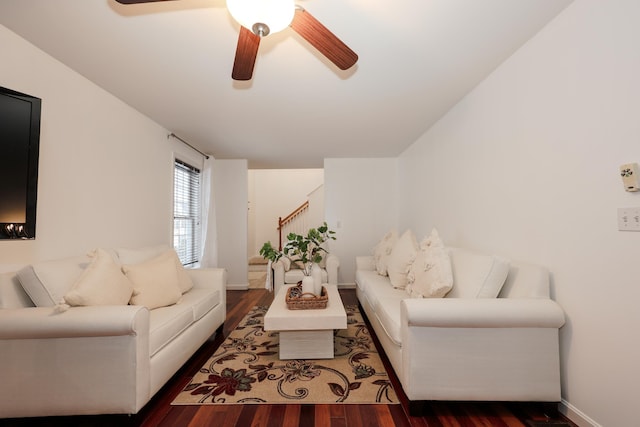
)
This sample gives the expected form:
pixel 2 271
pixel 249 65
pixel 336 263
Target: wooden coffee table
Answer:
pixel 306 334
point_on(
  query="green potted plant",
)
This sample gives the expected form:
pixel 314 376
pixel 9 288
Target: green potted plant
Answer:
pixel 303 250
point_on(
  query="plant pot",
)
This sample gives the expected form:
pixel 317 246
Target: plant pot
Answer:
pixel 308 286
pixel 316 273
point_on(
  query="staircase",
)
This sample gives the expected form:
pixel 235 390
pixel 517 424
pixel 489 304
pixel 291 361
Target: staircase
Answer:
pixel 295 222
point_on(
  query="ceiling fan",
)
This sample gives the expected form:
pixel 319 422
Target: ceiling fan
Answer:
pixel 259 18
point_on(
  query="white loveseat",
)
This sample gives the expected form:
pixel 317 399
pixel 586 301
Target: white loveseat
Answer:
pixel 99 359
pixel 469 345
pixel 288 273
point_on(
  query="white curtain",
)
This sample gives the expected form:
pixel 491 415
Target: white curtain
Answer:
pixel 209 256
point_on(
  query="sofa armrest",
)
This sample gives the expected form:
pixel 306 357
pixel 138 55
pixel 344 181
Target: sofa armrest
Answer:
pixel 332 265
pixel 65 355
pixel 210 278
pixel 365 263
pixel 481 349
pixel 278 275
pixel 95 321
pixel 277 266
pixel 482 313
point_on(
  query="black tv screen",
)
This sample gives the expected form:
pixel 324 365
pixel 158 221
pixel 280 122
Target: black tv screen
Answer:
pixel 19 145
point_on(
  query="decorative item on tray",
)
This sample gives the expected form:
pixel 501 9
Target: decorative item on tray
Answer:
pixel 297 300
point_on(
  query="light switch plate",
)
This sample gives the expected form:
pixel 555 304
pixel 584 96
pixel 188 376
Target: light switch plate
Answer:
pixel 629 219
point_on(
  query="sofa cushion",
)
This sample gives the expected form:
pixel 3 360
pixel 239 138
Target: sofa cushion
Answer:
pixel 388 313
pixel 402 256
pixel 166 323
pixel 101 283
pixel 384 299
pixel 169 322
pixel 526 281
pixel 430 275
pixel 368 278
pixel 201 300
pixel 155 282
pixel 476 275
pixel 382 251
pixel 47 282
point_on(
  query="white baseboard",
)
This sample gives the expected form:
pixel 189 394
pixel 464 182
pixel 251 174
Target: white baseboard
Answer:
pixel 237 287
pixel 346 285
pixel 576 415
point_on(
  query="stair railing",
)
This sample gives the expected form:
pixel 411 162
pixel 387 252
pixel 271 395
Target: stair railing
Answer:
pixel 295 222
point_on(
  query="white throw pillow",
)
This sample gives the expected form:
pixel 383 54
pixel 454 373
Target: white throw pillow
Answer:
pixel 286 263
pixel 323 261
pixel 476 275
pixel 430 275
pixel 382 251
pixel 155 282
pixel 101 283
pixel 402 256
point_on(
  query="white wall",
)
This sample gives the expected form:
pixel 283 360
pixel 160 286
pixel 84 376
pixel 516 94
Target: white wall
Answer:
pixel 315 215
pixel 275 193
pixel 527 166
pixel 360 206
pixel 105 173
pixel 231 195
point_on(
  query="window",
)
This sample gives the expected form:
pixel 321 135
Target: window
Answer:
pixel 186 212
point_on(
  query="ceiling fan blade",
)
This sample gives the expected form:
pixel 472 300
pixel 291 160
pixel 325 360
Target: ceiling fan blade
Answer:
pixel 138 1
pixel 246 54
pixel 322 39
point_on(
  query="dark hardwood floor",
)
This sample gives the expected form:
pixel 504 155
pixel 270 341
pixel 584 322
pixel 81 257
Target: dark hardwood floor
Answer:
pixel 159 412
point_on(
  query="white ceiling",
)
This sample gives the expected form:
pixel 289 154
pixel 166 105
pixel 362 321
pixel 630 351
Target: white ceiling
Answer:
pixel 172 61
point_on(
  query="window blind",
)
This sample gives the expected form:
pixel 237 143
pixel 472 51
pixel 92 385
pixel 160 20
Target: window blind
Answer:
pixel 186 212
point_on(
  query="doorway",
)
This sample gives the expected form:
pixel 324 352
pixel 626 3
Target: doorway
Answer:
pixel 274 194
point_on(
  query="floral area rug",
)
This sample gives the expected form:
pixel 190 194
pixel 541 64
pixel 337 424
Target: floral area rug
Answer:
pixel 246 370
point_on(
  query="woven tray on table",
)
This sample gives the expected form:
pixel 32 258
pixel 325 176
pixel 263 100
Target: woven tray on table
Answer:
pixel 296 300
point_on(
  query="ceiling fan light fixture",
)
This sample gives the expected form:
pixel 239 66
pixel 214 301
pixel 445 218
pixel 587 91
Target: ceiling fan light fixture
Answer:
pixel 275 15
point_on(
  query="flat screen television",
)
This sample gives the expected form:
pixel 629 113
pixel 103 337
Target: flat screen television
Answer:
pixel 19 148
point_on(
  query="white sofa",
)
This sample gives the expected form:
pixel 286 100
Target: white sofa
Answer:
pixel 287 273
pixel 464 347
pixel 100 359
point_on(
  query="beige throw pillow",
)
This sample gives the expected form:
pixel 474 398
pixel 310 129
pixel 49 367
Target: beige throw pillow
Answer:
pixel 140 255
pixel 184 280
pixel 155 282
pixel 430 275
pixel 402 256
pixel 382 251
pixel 101 283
